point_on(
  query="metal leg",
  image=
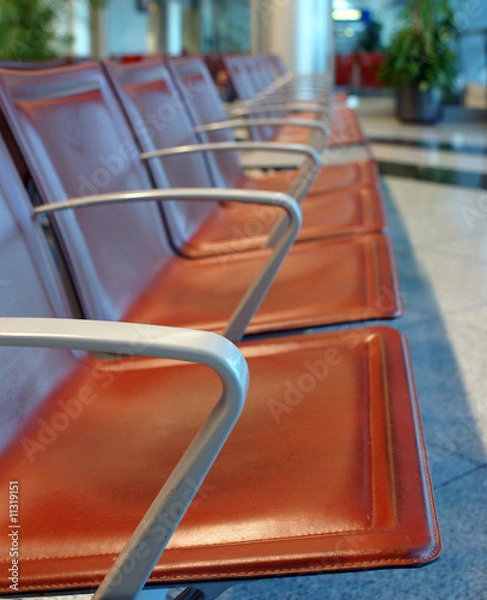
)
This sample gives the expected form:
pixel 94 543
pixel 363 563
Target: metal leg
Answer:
pixel 204 591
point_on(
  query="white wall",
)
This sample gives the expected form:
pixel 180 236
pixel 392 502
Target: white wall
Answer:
pixel 472 15
pixel 298 30
pixel 127 29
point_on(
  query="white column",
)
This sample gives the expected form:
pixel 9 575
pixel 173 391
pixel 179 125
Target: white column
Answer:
pixel 174 27
pixel 298 30
pixel 206 21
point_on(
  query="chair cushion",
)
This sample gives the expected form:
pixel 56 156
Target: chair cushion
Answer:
pixel 323 282
pixel 346 128
pixel 324 471
pixel 354 211
pixel 331 178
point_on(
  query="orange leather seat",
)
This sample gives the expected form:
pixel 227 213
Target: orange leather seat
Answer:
pixel 346 178
pixel 321 473
pixel 121 261
pixel 324 471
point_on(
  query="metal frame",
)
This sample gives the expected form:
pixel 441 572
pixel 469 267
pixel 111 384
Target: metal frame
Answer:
pixel 255 108
pixel 240 146
pixel 135 563
pixel 320 127
pixel 253 297
pixel 310 167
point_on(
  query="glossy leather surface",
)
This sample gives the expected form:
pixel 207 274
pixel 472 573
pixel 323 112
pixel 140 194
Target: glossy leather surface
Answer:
pixel 27 289
pixel 205 106
pixel 323 282
pixel 91 442
pixel 357 211
pixel 324 471
pixel 346 128
pixel 331 178
pixel 121 261
pixel 159 120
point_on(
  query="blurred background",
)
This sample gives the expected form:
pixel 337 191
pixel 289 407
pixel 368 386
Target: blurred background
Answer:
pixel 354 43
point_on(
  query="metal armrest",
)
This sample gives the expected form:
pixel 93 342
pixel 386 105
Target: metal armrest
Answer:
pixel 320 127
pixel 136 561
pixel 240 146
pixel 309 168
pixel 296 96
pixel 275 121
pixel 252 299
pixel 292 86
pixel 257 108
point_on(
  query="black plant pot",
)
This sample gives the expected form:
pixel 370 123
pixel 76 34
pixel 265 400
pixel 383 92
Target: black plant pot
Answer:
pixel 414 106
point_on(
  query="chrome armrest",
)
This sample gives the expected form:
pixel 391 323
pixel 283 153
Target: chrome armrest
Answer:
pixel 240 146
pixel 252 299
pixel 309 169
pixel 258 108
pixel 321 126
pixel 132 568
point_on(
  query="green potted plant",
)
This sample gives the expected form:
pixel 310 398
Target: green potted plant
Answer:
pixel 29 29
pixel 421 61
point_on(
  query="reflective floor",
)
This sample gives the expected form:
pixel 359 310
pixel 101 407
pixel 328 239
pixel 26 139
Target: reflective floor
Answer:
pixel 438 221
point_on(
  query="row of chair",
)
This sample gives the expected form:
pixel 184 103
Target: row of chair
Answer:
pixel 156 223
pixel 260 92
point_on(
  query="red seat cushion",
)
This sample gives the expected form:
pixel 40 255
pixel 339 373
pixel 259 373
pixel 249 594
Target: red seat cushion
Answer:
pixel 341 177
pixel 354 212
pixel 364 287
pixel 324 471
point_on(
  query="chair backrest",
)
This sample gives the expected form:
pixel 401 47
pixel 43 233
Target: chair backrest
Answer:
pixel 29 287
pixel 278 64
pixel 205 106
pixel 76 142
pixel 265 69
pixel 254 75
pixel 159 119
pixel 238 75
pixel 238 68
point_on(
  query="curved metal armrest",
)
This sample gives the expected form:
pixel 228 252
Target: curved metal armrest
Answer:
pixel 258 108
pixel 240 146
pixel 309 169
pixel 300 86
pixel 136 561
pixel 321 126
pixel 298 97
pixel 289 229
